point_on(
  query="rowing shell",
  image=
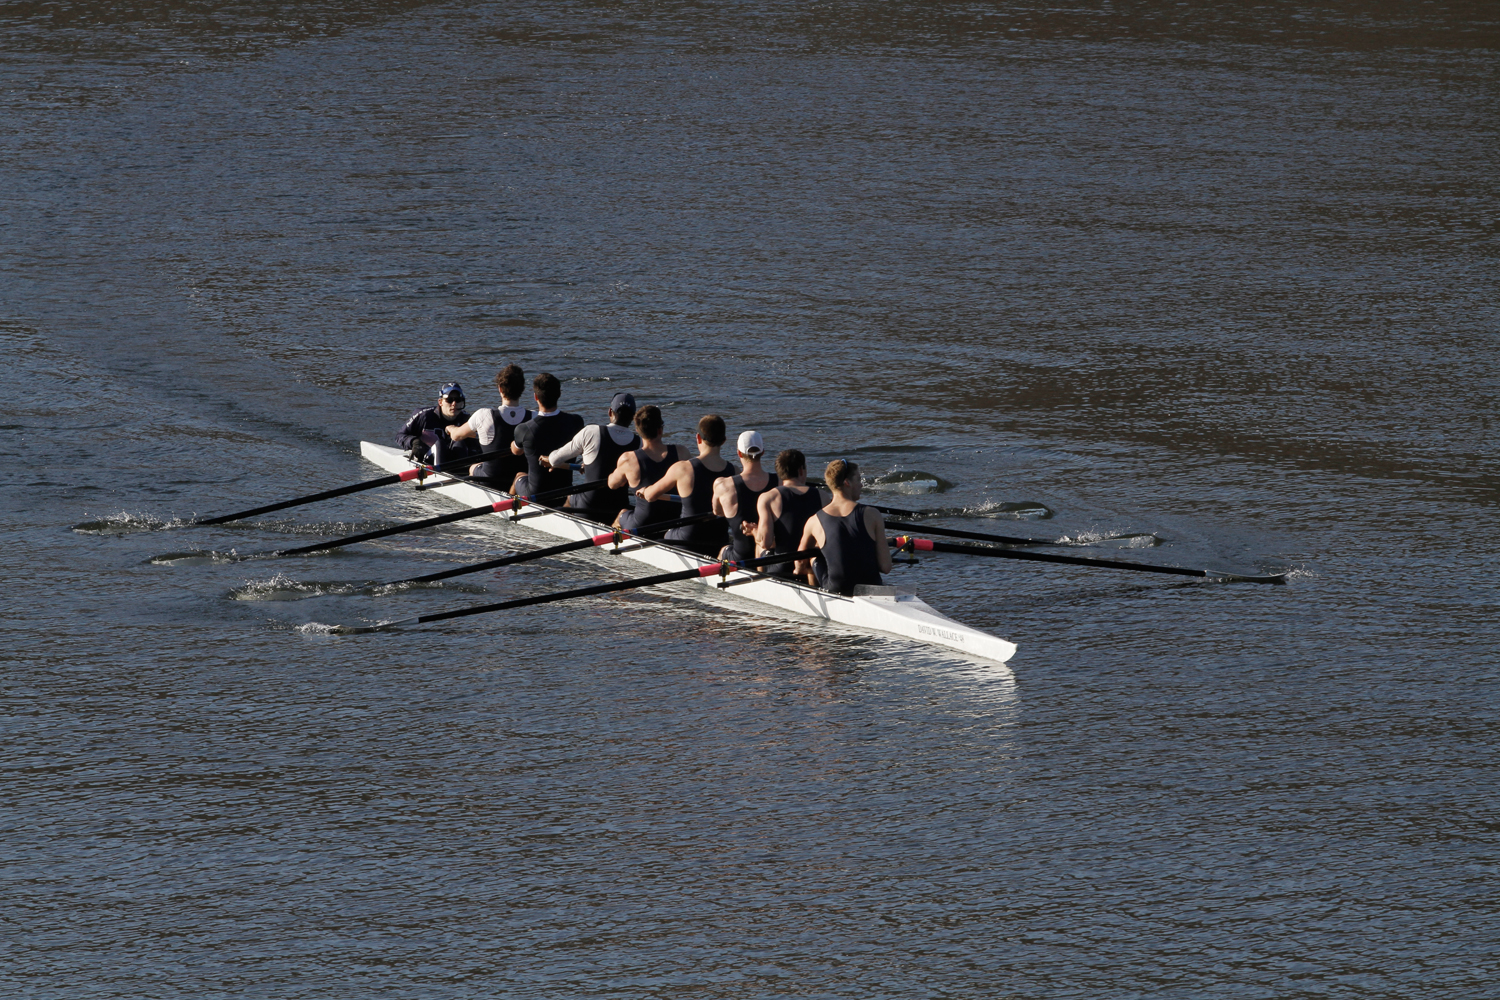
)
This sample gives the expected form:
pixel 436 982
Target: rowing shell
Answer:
pixel 895 613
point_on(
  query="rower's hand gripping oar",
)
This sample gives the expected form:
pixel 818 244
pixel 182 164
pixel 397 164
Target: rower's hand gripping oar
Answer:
pixel 514 503
pixel 719 569
pixel 419 473
pixel 907 543
pixel 616 537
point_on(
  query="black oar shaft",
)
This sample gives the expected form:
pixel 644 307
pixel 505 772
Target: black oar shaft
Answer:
pixel 927 545
pixel 553 550
pixel 711 569
pixel 428 522
pixel 341 491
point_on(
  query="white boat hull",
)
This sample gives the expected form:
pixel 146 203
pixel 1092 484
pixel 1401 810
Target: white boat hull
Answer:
pixel 901 615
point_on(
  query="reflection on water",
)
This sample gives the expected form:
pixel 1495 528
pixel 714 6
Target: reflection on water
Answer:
pixel 1211 279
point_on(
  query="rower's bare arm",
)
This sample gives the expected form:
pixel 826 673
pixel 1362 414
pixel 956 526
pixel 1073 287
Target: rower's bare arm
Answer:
pixel 515 449
pixel 812 538
pixel 767 510
pixel 620 477
pixel 460 431
pixel 875 525
pixel 673 481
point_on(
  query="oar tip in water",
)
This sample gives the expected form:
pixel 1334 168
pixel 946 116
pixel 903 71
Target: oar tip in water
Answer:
pixel 318 628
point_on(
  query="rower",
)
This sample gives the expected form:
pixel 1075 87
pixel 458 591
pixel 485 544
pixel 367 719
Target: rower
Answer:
pixel 641 468
pixel 735 498
pixel 423 431
pixel 599 447
pixel 494 427
pixel 783 512
pixel 694 481
pixel 549 430
pixel 849 535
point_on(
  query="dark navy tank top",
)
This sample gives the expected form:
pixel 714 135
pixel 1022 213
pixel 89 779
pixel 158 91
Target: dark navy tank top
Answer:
pixel 657 510
pixel 705 537
pixel 745 498
pixel 605 503
pixel 796 510
pixel 848 557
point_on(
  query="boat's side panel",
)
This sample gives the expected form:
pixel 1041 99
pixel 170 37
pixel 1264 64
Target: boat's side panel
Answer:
pixel 907 617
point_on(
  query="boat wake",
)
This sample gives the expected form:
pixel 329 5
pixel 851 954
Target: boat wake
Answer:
pixel 125 523
pixel 283 588
pixel 195 557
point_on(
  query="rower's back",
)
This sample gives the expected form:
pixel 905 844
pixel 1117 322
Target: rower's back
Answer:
pixel 650 468
pixel 549 429
pixel 848 553
pixel 705 537
pixel 799 504
pixel 851 554
pixel 749 484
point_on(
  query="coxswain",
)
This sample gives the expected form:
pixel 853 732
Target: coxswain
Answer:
pixel 781 514
pixel 423 433
pixel 494 428
pixel 543 434
pixel 850 536
pixel 641 468
pixel 599 447
pixel 735 498
pixel 694 481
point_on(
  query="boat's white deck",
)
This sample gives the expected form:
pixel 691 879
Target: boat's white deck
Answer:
pixel 898 614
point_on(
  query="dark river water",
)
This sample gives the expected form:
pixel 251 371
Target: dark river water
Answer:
pixel 1218 274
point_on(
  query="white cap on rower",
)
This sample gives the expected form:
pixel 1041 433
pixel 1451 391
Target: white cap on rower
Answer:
pixel 750 444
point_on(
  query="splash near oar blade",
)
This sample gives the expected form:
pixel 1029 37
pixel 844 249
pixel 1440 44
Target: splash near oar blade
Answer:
pixel 909 544
pixel 720 569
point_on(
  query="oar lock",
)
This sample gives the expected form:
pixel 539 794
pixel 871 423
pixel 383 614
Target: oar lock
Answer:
pixel 908 544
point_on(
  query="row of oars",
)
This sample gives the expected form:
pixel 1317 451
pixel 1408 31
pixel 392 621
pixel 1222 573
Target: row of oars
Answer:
pixel 995 545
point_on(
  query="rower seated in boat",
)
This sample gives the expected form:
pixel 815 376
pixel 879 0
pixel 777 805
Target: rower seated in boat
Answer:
pixel 493 428
pixel 423 435
pixel 641 468
pixel 543 434
pixel 850 536
pixel 735 498
pixel 782 513
pixel 599 447
pixel 694 481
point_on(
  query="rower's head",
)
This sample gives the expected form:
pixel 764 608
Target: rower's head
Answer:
pixel 648 422
pixel 622 409
pixel 750 447
pixel 711 431
pixel 451 400
pixel 547 390
pixel 791 466
pixel 511 382
pixel 842 477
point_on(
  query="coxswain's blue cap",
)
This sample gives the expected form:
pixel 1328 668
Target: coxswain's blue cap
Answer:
pixel 451 389
pixel 623 404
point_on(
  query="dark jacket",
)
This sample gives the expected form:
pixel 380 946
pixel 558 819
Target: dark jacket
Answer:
pixel 430 418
